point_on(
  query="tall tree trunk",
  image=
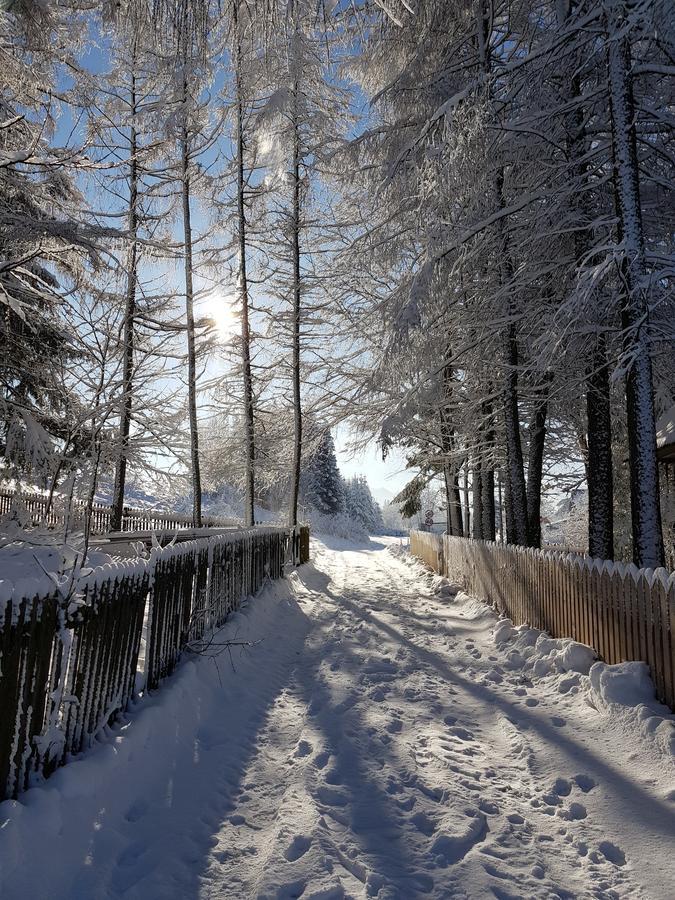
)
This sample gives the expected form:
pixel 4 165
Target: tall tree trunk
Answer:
pixel 510 527
pixel 296 315
pixel 453 501
pixel 242 283
pixel 501 505
pixel 488 476
pixel 599 471
pixel 452 497
pixel 515 475
pixel 189 310
pixel 535 466
pixel 488 503
pixel 467 508
pixel 644 474
pixel 129 315
pixel 599 467
pixel 447 483
pixel 477 498
pixel 453 517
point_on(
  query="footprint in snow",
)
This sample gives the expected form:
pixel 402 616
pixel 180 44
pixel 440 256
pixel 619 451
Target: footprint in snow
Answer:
pixel 321 759
pixel 449 849
pixel 292 890
pixel 304 748
pixel 487 806
pixel 298 847
pixel 574 812
pixel 613 853
pixel 423 823
pixel 331 797
pixel 561 787
pixel 394 726
pixel 558 721
pixel 531 701
pixel 586 783
pixel 462 734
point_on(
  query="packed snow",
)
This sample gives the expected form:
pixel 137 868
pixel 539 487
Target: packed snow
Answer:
pixel 383 736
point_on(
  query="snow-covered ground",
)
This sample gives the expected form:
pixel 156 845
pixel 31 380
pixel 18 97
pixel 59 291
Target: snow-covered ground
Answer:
pixel 380 741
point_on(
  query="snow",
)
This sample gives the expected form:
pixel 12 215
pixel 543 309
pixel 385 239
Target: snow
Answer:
pixel 387 737
pixel 36 561
pixel 546 654
pixel 627 683
pixel 665 429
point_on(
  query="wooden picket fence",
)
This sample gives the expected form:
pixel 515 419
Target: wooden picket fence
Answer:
pixel 69 656
pixel 623 612
pixel 36 508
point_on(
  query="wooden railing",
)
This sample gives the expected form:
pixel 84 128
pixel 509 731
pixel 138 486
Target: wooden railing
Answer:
pixel 623 612
pixel 70 655
pixel 39 512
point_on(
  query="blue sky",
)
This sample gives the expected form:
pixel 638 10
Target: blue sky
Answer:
pixel 385 477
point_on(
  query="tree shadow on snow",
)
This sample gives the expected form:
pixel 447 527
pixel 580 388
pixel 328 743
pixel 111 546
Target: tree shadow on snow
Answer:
pixel 653 813
pixel 163 846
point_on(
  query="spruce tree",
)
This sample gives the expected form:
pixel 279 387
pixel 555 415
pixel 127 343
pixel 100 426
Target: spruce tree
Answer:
pixel 322 484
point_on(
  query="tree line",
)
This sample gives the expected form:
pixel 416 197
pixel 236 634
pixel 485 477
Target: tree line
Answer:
pixel 449 224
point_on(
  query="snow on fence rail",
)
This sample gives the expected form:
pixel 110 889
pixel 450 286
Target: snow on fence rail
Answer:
pixel 69 654
pixel 625 613
pixel 38 509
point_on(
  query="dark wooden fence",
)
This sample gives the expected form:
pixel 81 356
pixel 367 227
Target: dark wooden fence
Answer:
pixel 39 512
pixel 623 612
pixel 69 656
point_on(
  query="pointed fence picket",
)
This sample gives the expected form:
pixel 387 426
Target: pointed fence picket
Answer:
pixel 69 655
pixel 624 613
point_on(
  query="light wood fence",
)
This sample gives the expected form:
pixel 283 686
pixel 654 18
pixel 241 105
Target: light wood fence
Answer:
pixel 624 613
pixel 69 657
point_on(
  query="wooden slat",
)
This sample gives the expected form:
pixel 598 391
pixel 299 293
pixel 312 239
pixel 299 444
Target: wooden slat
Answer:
pixel 624 615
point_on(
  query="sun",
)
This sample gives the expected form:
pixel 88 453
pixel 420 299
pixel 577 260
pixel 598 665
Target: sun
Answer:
pixel 220 307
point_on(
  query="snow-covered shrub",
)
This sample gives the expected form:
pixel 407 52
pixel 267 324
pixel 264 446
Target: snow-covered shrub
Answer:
pixel 340 525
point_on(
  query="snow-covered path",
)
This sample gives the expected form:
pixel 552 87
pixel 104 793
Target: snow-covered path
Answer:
pixel 375 743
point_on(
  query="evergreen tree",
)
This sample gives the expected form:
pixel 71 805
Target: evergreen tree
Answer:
pixel 361 506
pixel 322 485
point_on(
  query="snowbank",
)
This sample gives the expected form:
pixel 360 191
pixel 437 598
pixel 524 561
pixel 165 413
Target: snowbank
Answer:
pixel 624 692
pixel 545 654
